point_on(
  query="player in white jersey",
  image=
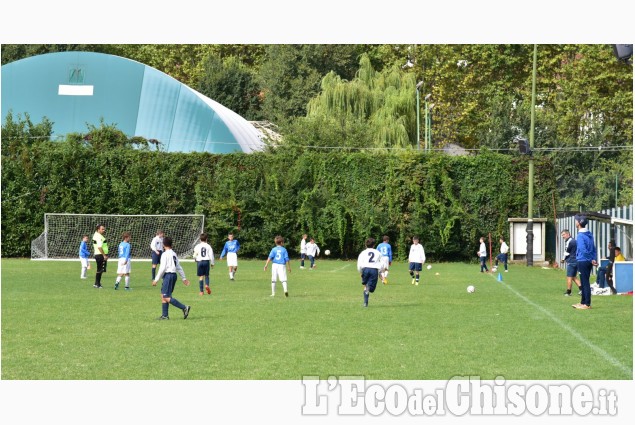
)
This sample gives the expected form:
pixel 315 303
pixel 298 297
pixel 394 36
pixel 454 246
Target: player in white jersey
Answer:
pixel 369 265
pixel 416 259
pixel 156 245
pixel 312 250
pixel 204 257
pixel 303 250
pixel 168 269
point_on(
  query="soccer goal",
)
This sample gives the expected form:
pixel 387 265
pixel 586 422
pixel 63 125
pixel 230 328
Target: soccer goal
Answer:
pixel 63 234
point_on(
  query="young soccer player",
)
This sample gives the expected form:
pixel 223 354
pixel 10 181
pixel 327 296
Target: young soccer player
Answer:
pixel 231 249
pixel 204 257
pixel 386 257
pixel 482 254
pixel 168 268
pixel 369 265
pixel 100 250
pixel 312 250
pixel 156 245
pixel 503 254
pixel 280 258
pixel 416 259
pixel 84 255
pixel 123 264
pixel 303 250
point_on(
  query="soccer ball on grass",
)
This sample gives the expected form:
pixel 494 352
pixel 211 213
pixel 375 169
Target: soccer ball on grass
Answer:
pixel 470 289
pixel 327 252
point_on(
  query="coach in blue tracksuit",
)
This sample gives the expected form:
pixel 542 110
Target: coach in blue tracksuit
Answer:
pixel 586 255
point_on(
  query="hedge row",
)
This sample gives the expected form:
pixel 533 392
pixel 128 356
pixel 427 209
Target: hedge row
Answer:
pixel 338 198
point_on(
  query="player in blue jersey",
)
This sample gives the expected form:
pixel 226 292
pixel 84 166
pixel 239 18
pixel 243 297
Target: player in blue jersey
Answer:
pixel 280 258
pixel 84 255
pixel 123 264
pixel 369 265
pixel 231 249
pixel 386 257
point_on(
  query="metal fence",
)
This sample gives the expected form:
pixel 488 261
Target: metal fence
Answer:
pixel 601 232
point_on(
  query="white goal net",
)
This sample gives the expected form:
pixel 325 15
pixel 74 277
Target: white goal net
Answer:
pixel 63 234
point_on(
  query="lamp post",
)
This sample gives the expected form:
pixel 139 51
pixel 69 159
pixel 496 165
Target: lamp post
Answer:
pixel 530 201
pixel 428 128
pixel 418 86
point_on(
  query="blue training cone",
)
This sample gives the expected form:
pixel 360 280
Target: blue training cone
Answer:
pixel 500 277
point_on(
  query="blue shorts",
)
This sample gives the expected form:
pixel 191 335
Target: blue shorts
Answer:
pixel 369 278
pixel 415 267
pixel 202 268
pixel 167 287
pixel 156 259
pixel 572 269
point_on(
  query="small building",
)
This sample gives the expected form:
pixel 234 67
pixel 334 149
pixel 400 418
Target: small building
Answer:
pixel 518 239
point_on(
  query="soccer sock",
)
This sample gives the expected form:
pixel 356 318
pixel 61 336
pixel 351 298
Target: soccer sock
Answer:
pixel 386 273
pixel 164 309
pixel 284 286
pixel 207 280
pixel 412 274
pixel 301 263
pixel 154 272
pixel 176 303
pixel 273 287
pixel 98 278
pixel 83 271
pixel 200 284
pixel 417 277
pixel 118 279
pixel 366 296
pixel 127 281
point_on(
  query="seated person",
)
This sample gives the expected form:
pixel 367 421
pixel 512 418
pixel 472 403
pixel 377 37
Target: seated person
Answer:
pixel 618 254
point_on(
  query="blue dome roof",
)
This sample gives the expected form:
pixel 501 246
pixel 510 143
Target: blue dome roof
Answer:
pixel 73 89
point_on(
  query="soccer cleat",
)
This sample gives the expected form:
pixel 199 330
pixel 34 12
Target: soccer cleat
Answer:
pixel 186 311
pixel 567 294
pixel 576 305
pixel 83 277
pixel 417 283
pixel 365 304
pixel 385 281
pixel 301 267
pixel 413 282
pixel 116 285
pixel 286 294
pixel 506 271
pixel 200 293
pixel 127 288
pixel 272 295
pixel 163 318
pixel 209 291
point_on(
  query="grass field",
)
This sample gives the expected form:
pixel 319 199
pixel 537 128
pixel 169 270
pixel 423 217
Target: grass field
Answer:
pixel 57 327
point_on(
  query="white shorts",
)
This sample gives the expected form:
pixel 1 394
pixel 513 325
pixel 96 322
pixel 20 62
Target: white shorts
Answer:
pixel 123 267
pixel 278 271
pixel 232 259
pixel 84 261
pixel 385 263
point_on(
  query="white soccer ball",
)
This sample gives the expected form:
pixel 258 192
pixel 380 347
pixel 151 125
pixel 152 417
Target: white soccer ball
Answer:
pixel 470 289
pixel 327 252
pixel 429 266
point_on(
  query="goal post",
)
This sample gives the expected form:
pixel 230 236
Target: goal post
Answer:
pixel 63 233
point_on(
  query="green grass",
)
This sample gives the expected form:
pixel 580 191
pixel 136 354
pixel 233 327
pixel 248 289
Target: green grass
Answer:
pixel 56 326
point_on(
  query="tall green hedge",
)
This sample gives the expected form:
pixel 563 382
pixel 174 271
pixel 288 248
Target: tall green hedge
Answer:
pixel 338 198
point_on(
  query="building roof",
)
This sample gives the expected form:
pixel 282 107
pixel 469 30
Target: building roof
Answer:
pixel 73 89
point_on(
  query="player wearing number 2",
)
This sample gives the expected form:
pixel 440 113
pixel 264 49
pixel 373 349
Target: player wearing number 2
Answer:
pixel 370 265
pixel 204 257
pixel 280 258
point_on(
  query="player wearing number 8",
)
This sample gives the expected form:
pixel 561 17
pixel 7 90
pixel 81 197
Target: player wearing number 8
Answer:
pixel 280 258
pixel 204 257
pixel 369 264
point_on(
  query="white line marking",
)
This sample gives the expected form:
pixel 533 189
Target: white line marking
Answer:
pixel 573 332
pixel 340 269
